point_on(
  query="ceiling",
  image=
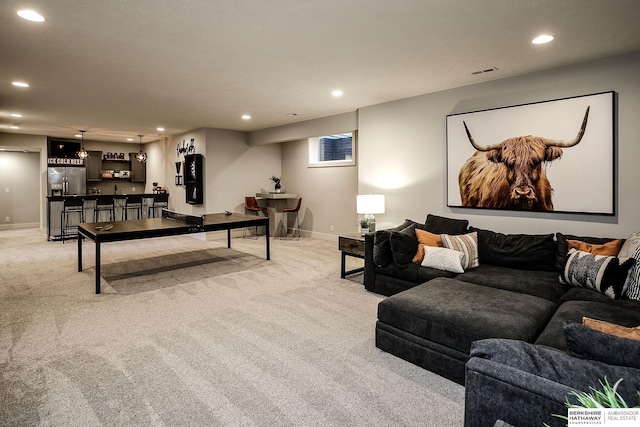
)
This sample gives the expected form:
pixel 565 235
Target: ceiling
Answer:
pixel 121 68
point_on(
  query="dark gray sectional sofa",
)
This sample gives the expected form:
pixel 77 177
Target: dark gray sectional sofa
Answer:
pixel 508 329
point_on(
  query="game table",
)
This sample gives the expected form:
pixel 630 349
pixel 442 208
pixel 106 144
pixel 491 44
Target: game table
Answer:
pixel 170 224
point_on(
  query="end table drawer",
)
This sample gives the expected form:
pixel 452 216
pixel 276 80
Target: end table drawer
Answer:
pixel 351 245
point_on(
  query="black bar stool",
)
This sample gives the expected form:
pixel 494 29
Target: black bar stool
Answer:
pixel 284 231
pixel 73 207
pixel 160 201
pixel 104 205
pixel 133 203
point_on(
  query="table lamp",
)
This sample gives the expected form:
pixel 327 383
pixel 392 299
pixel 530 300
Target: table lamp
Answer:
pixel 370 204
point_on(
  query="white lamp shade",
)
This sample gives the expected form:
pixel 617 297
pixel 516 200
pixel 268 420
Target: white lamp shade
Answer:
pixel 370 203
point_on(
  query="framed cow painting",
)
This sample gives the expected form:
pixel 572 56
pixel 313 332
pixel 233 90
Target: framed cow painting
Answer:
pixel 551 156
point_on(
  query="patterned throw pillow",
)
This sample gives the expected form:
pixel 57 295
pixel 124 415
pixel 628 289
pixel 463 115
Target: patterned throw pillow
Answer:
pixel 631 249
pixel 465 243
pixel 605 274
pixel 442 259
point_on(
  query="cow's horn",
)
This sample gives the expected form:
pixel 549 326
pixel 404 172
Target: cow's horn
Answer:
pixel 476 146
pixel 576 140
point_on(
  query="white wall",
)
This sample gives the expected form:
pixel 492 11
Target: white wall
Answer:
pixel 19 189
pixel 328 194
pixel 403 143
pixel 36 144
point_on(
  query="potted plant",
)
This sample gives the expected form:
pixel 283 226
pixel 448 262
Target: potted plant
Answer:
pixel 276 182
pixel 364 226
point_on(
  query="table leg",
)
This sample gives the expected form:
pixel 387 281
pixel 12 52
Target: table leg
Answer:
pixel 80 239
pixel 97 267
pixel 266 239
pixel 229 238
pixel 343 265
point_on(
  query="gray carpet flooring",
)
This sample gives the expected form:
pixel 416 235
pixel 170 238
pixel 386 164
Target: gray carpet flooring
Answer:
pixel 190 333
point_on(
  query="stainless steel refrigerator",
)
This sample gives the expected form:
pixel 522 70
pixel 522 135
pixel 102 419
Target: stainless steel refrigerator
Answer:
pixel 66 181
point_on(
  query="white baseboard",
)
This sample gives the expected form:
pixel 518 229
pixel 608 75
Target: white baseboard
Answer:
pixel 18 226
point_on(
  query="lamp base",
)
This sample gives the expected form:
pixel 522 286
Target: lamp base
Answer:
pixel 372 222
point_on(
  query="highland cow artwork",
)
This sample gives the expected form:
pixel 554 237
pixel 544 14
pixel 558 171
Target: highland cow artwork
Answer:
pixel 552 156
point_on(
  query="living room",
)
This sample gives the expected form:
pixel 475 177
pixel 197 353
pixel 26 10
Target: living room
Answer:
pixel 296 341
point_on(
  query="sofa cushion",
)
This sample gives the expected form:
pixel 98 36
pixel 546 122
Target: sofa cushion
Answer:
pixel 413 273
pixel 521 251
pixel 587 343
pixel 442 225
pixel 454 313
pixel 605 274
pixel 584 294
pixel 562 246
pixel 442 259
pixel 465 243
pixel 539 283
pixel 631 249
pixel 574 311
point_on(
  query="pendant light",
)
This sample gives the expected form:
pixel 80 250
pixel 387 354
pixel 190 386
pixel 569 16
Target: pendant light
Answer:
pixel 83 154
pixel 141 156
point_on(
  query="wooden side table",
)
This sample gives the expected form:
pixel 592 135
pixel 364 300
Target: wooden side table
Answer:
pixel 351 245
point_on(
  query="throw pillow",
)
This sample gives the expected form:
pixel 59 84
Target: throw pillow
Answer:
pixel 612 329
pixel 609 249
pixel 443 259
pixel 404 245
pixel 465 243
pixel 631 249
pixel 591 344
pixel 522 251
pixel 562 247
pixel 382 255
pixel 604 274
pixel 425 239
pixel 442 225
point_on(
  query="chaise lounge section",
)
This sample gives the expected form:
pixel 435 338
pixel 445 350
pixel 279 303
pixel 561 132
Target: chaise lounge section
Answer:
pixel 469 326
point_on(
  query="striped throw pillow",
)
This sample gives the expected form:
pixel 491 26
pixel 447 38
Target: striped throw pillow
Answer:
pixel 631 249
pixel 465 243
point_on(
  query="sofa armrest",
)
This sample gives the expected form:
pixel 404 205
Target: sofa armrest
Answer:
pixel 494 392
pixel 369 264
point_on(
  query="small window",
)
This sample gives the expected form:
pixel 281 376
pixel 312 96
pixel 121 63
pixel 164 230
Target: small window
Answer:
pixel 332 150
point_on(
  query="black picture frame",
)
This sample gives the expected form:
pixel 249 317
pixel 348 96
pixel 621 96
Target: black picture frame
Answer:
pixel 582 178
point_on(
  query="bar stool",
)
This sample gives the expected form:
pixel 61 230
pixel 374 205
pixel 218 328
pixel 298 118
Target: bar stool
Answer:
pixel 132 203
pixel 160 201
pixel 251 205
pixel 73 206
pixel 104 205
pixel 285 222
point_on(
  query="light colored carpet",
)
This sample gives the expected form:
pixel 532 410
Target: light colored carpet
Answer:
pixel 188 332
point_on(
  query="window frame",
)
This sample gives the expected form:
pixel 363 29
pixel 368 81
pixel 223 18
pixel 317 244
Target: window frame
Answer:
pixel 313 161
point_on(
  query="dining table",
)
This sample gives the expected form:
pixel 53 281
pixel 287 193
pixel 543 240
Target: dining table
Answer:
pixel 275 202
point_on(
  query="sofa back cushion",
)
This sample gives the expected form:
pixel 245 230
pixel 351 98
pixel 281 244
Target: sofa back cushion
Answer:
pixel 521 251
pixel 441 225
pixel 382 247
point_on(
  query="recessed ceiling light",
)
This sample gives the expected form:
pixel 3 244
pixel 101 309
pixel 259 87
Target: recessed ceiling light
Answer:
pixel 160 129
pixel 20 84
pixel 16 115
pixel 542 39
pixel 78 135
pixel 246 117
pixel 292 114
pixel 129 139
pixel 14 127
pixel 30 15
pixel 337 93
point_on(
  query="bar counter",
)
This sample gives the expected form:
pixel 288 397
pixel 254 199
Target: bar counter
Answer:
pixel 55 205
